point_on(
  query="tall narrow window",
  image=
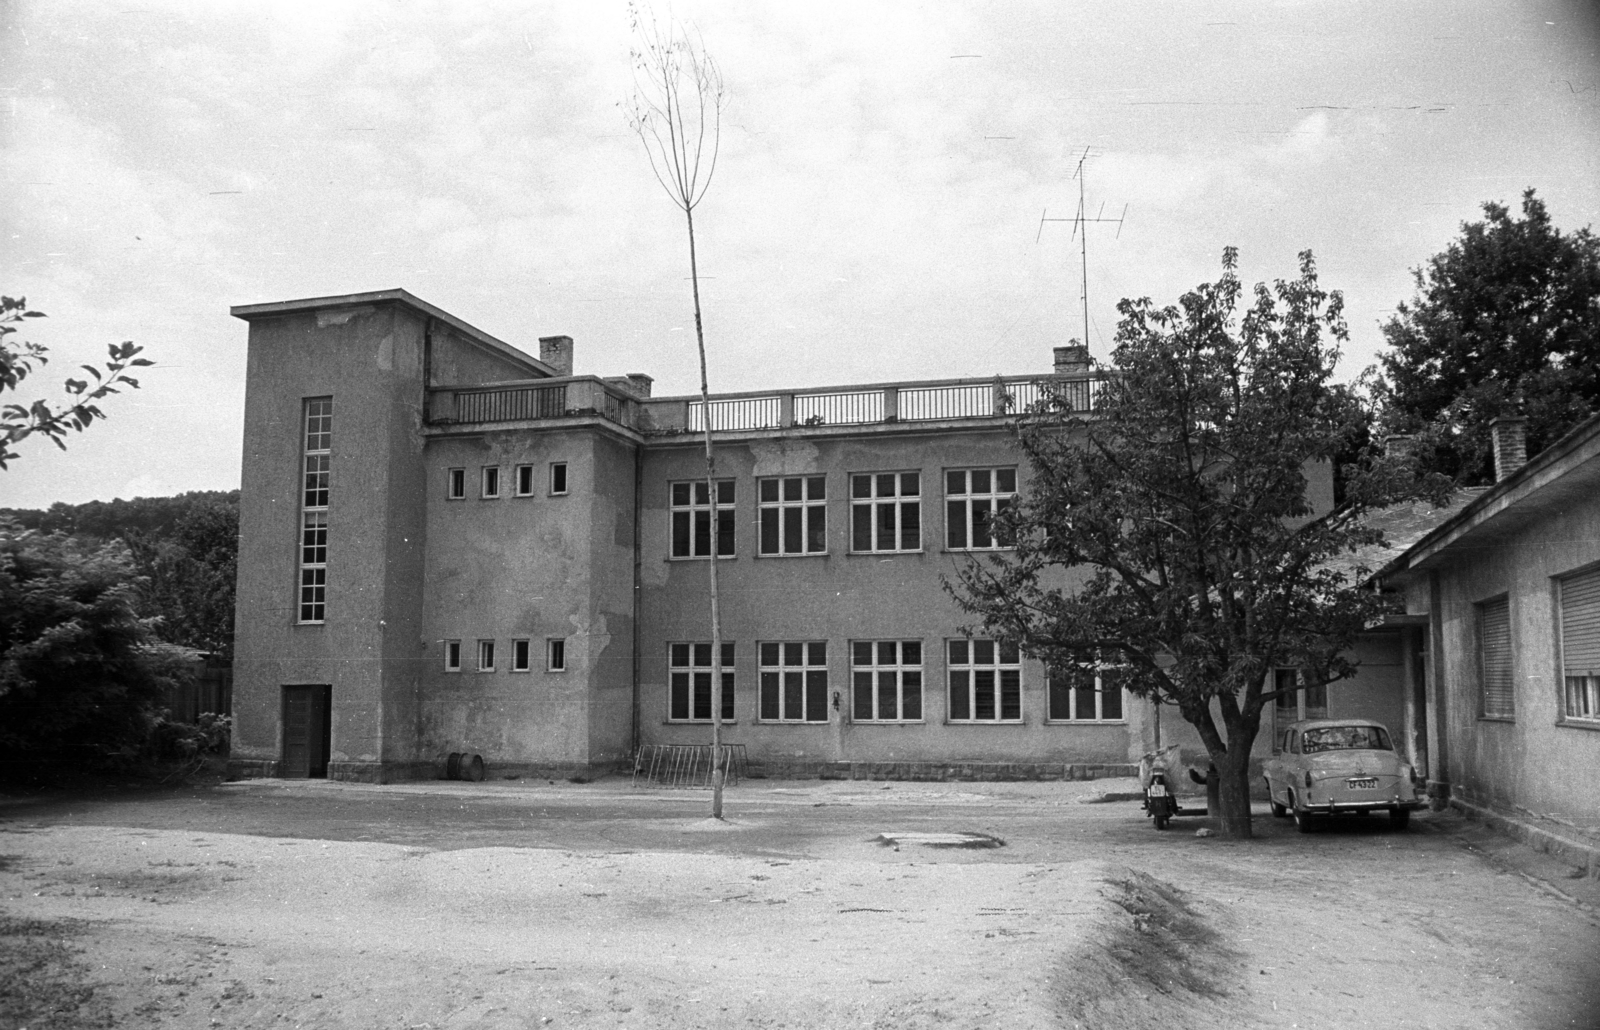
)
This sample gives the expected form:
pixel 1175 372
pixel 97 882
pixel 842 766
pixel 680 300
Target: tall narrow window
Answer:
pixel 486 656
pixel 558 477
pixel 886 512
pixel 452 656
pixel 455 484
pixel 314 510
pixel 985 681
pixel 521 659
pixel 689 682
pixel 794 682
pixel 691 519
pixel 491 481
pixel 886 680
pixel 1580 644
pixel 1494 658
pixel 524 480
pixel 556 654
pixel 972 498
pixel 794 515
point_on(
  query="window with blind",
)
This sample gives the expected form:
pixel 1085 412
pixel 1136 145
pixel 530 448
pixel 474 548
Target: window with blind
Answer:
pixel 1580 644
pixel 1494 657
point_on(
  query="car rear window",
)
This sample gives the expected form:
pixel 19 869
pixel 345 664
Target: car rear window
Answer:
pixel 1347 738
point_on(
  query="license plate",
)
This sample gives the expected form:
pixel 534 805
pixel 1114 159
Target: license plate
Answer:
pixel 1367 783
pixel 1158 790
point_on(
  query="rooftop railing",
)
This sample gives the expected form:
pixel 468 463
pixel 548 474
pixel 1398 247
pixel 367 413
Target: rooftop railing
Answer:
pixel 937 401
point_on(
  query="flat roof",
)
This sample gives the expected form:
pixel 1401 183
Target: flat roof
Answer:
pixel 249 312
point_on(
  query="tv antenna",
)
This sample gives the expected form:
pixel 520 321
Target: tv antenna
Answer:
pixel 1080 225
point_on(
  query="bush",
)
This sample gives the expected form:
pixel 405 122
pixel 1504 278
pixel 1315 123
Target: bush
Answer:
pixel 171 741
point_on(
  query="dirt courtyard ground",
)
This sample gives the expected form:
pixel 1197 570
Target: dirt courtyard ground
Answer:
pixel 517 905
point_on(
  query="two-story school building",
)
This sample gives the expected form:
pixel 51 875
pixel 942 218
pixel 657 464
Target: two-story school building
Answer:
pixel 447 545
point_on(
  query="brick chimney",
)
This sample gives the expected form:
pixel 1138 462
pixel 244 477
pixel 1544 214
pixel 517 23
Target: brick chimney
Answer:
pixel 1072 359
pixel 1510 445
pixel 556 351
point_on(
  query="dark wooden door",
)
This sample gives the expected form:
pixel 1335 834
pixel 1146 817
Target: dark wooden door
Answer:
pixel 305 731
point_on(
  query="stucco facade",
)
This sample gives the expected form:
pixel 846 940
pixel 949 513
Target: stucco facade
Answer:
pixel 1529 749
pixel 508 565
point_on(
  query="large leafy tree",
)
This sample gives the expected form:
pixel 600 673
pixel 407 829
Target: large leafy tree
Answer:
pixel 189 577
pixel 1170 531
pixel 1506 320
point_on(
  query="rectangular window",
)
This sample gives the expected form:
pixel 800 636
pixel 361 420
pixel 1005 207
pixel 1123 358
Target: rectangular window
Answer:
pixel 972 498
pixel 1086 694
pixel 886 681
pixel 558 477
pixel 794 514
pixel 521 656
pixel 1494 657
pixel 524 480
pixel 486 656
pixel 452 656
pixel 691 519
pixel 491 481
pixel 555 653
pixel 1580 644
pixel 455 484
pixel 985 681
pixel 317 457
pixel 1301 701
pixel 794 682
pixel 689 682
pixel 886 512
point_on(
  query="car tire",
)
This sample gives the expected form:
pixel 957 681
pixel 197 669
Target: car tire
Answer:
pixel 1399 818
pixel 1303 820
pixel 1278 811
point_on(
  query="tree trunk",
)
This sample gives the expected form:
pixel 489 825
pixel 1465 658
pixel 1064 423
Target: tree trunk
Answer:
pixel 1230 795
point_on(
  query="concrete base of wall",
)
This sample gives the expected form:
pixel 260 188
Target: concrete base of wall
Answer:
pixel 252 768
pixel 1569 845
pixel 777 769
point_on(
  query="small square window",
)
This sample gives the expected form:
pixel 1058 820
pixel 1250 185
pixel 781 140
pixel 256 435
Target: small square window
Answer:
pixel 524 480
pixel 452 656
pixel 491 481
pixel 558 477
pixel 455 484
pixel 521 655
pixel 486 656
pixel 556 654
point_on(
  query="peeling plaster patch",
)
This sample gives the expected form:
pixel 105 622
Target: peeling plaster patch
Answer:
pixel 784 457
pixel 340 316
pixel 386 353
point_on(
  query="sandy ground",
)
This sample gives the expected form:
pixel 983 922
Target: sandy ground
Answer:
pixel 510 905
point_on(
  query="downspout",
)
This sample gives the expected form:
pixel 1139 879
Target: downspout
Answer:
pixel 417 719
pixel 638 491
pixel 1439 756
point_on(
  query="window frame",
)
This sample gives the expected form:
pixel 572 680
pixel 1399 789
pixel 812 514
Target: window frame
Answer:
pixel 971 666
pixel 1300 707
pixel 452 656
pixel 811 670
pixel 485 474
pixel 555 654
pixel 875 669
pixel 688 673
pixel 1483 611
pixel 1579 674
pixel 315 492
pixel 874 503
pixel 810 509
pixel 969 498
pixel 486 655
pixel 558 469
pixel 521 654
pixel 1074 694
pixel 455 483
pixel 520 473
pixel 715 516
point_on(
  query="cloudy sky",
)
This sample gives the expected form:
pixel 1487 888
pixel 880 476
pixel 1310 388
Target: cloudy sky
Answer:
pixel 875 214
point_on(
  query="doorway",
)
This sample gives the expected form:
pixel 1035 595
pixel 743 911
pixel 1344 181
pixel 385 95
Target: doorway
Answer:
pixel 306 731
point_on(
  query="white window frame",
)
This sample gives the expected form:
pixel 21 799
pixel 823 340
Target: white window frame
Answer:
pixel 316 440
pixel 455 483
pixel 485 655
pixel 877 503
pixel 965 661
pixel 1074 697
pixel 489 483
pixel 810 511
pixel 521 655
pixel 1300 704
pixel 689 515
pixel 793 671
pixel 689 672
pixel 964 508
pixel 452 656
pixel 1578 593
pixel 560 483
pixel 878 667
pixel 555 654
pixel 522 481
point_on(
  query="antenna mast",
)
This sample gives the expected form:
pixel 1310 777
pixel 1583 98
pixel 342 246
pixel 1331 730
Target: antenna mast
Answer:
pixel 1080 224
